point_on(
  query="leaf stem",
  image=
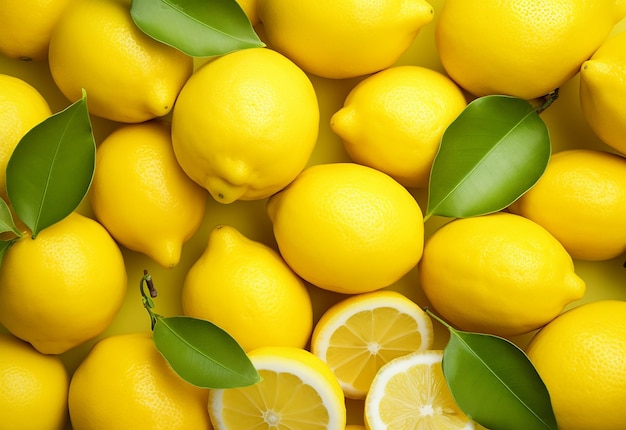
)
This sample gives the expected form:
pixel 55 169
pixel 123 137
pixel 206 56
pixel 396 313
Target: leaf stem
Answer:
pixel 548 99
pixel 148 303
pixel 436 318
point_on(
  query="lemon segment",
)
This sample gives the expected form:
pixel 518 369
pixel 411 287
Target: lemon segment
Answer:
pixel 297 390
pixel 358 335
pixel 410 392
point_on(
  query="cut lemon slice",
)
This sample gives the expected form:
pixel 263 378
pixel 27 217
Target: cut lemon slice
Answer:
pixel 356 336
pixel 298 391
pixel 410 393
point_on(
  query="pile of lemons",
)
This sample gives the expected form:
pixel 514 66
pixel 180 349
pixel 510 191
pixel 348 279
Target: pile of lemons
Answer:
pixel 317 295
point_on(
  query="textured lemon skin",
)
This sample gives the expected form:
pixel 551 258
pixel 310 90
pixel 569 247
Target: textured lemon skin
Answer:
pixel 128 76
pixel 581 200
pixel 246 288
pixel 523 48
pixel 125 383
pixel 31 381
pixel 64 287
pixel 347 228
pixel 142 196
pixel 500 273
pixel 580 357
pixel 245 124
pixel 343 38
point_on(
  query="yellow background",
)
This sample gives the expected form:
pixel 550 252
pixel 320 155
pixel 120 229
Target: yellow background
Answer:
pixel 568 129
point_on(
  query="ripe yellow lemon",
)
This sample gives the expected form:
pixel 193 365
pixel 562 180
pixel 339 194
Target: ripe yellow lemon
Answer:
pixel 125 383
pixel 250 8
pixel 581 200
pixel 142 196
pixel 21 108
pixel 500 273
pixel 128 76
pixel 602 86
pixel 523 48
pixel 361 333
pixel 580 357
pixel 33 387
pixel 247 289
pixel 27 25
pixel 343 38
pixel 298 391
pixel 393 121
pixel 64 287
pixel 412 389
pixel 347 228
pixel 245 124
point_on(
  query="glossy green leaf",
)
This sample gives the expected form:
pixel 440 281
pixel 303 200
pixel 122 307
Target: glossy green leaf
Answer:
pixel 4 246
pixel 199 28
pixel 202 353
pixel 51 169
pixel 6 219
pixel 494 383
pixel 495 150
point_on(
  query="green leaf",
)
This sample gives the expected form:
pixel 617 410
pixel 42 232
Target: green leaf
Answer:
pixel 494 383
pixel 6 219
pixel 51 168
pixel 495 150
pixel 4 246
pixel 202 353
pixel 199 28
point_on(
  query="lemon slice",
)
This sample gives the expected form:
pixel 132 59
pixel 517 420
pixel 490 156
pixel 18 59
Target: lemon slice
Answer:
pixel 358 335
pixel 410 392
pixel 298 391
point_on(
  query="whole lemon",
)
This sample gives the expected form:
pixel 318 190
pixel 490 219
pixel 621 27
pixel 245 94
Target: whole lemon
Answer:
pixel 581 200
pixel 523 48
pixel 125 383
pixel 33 387
pixel 500 273
pixel 142 196
pixel 250 8
pixel 343 38
pixel 394 120
pixel 580 357
pixel 602 87
pixel 64 287
pixel 128 76
pixel 21 108
pixel 247 289
pixel 245 124
pixel 27 25
pixel 347 228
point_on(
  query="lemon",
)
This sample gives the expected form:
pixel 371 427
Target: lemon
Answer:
pixel 297 391
pixel 361 333
pixel 523 48
pixel 500 273
pixel 410 392
pixel 125 383
pixel 580 357
pixel 21 108
pixel 33 387
pixel 581 200
pixel 142 196
pixel 250 8
pixel 394 120
pixel 247 289
pixel 245 124
pixel 602 86
pixel 27 25
pixel 128 76
pixel 343 38
pixel 64 287
pixel 347 228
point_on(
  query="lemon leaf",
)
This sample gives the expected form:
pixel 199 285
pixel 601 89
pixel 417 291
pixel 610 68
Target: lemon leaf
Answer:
pixel 202 353
pixel 6 219
pixel 198 28
pixel 50 170
pixel 490 155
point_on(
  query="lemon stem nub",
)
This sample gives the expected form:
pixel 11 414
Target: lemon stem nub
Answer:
pixel 548 99
pixel 147 300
